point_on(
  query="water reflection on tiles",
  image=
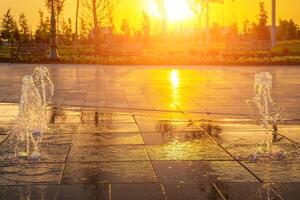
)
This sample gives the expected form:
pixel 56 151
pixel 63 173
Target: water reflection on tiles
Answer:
pixel 94 152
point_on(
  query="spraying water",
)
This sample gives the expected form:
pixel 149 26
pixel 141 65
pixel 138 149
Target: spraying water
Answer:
pixel 263 99
pixel 31 122
pixel 269 111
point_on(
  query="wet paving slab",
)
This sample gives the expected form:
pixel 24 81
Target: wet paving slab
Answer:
pixel 183 93
pixel 57 139
pixel 137 191
pixel 244 141
pixel 275 171
pixel 107 139
pixel 31 192
pixel 165 137
pixel 92 116
pixel 5 129
pixel 150 155
pixel 30 173
pixel 2 138
pixel 49 154
pixel 113 127
pixel 200 149
pixel 109 172
pixel 291 132
pixel 194 172
pixel 7 119
pixel 154 125
pixel 107 153
pixel 205 191
pixel 246 191
pixel 79 192
pixel 286 190
pixel 63 128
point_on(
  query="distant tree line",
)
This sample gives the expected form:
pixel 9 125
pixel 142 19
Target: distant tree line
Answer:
pixel 286 29
pixel 102 29
pixel 12 30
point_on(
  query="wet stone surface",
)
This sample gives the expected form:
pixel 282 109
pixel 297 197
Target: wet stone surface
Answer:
pixel 28 174
pixel 191 191
pixel 245 141
pixel 200 149
pixel 109 172
pixel 107 139
pixel 4 129
pixel 57 139
pixel 49 153
pixel 79 192
pixel 279 171
pixel 164 125
pixel 158 156
pixel 45 192
pixel 112 127
pixel 152 133
pixel 63 128
pixel 136 191
pixel 287 190
pixel 246 190
pixel 2 138
pixel 195 172
pixel 292 132
pixel 107 153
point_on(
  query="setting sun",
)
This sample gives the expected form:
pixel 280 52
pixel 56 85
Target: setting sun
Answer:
pixel 176 10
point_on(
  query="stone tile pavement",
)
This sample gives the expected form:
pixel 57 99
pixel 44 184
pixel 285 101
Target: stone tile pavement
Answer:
pixel 151 133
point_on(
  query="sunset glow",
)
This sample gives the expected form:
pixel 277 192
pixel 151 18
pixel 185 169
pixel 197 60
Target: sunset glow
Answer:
pixel 223 14
pixel 176 10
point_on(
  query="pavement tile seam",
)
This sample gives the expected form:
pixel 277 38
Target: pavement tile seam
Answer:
pixel 148 156
pixel 234 158
pixel 65 164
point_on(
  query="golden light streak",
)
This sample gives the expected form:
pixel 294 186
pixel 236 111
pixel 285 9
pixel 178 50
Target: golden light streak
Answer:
pixel 174 79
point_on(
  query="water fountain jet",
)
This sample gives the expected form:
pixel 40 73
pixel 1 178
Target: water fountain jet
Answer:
pixel 31 122
pixel 270 114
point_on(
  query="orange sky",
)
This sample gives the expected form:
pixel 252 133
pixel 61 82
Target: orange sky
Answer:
pixel 230 12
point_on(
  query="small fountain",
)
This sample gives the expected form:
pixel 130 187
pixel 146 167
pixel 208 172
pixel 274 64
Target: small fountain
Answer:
pixel 269 113
pixel 263 99
pixel 31 122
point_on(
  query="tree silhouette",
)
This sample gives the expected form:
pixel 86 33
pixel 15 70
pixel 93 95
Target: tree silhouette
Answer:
pixel 163 13
pixel 146 27
pixel 261 30
pixel 197 6
pixel 66 32
pixel 101 12
pixel 42 33
pixel 288 30
pixel 9 27
pixel 24 28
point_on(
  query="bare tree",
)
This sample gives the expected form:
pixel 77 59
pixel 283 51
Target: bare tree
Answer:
pixel 163 13
pixel 101 12
pixel 76 20
pixel 197 6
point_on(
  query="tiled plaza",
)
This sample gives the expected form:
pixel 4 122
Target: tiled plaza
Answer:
pixel 143 132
